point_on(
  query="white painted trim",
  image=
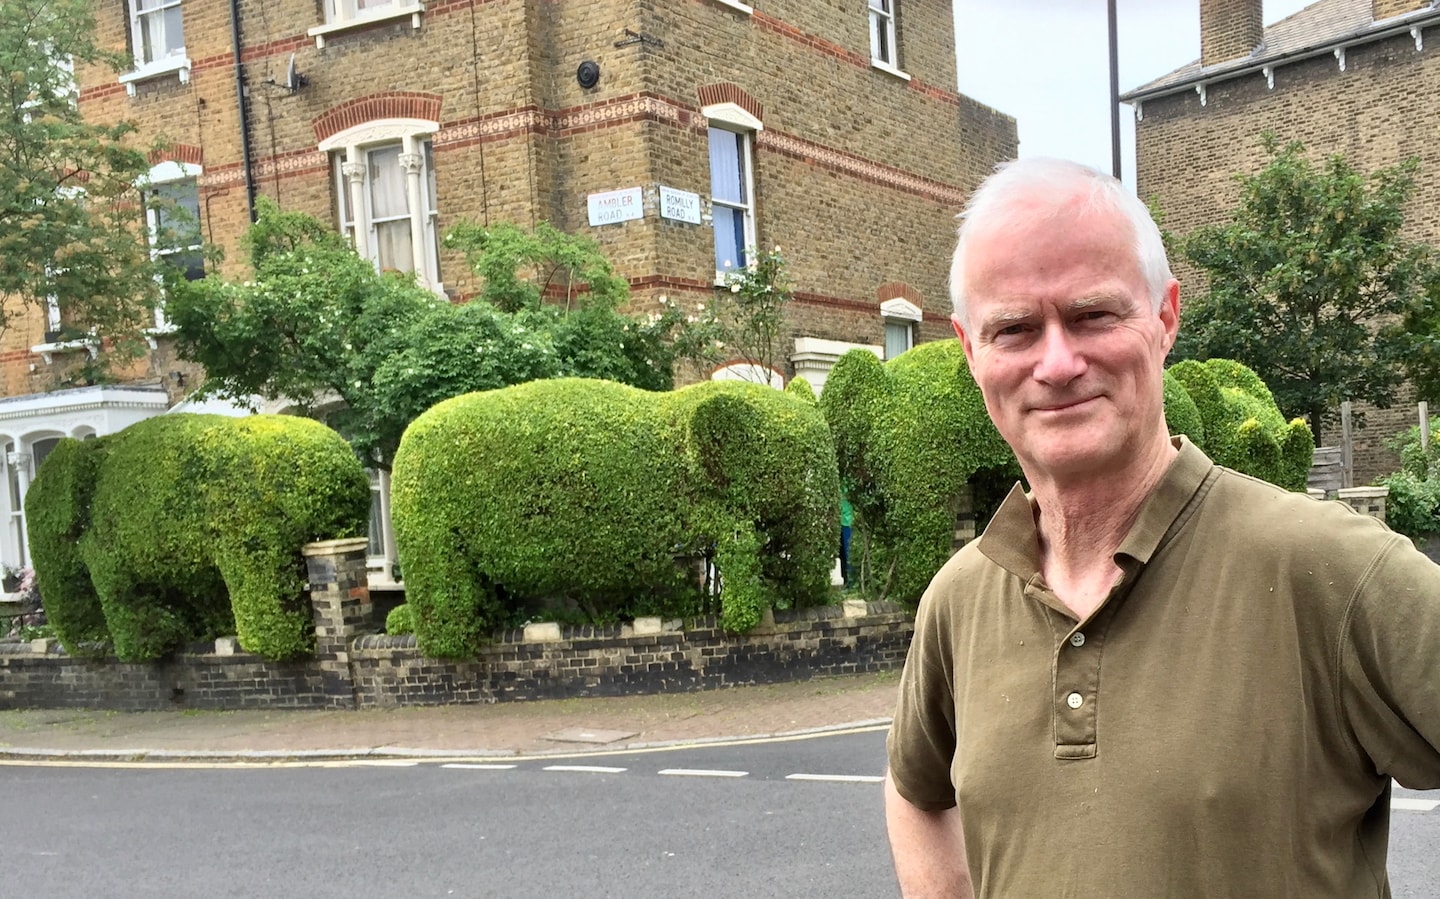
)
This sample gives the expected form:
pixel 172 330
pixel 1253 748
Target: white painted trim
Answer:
pixel 413 10
pixel 732 114
pixel 901 308
pixel 177 64
pixel 888 69
pixel 172 170
pixel 379 131
pixel 738 6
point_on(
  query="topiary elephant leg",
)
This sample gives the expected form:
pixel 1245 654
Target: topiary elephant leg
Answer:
pixel 267 595
pixel 743 596
pixel 143 625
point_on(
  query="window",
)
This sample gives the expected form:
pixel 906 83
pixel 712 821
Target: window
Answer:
pixel 158 31
pixel 900 317
pixel 732 190
pixel 172 212
pixel 157 38
pixel 884 48
pixel 343 14
pixel 394 191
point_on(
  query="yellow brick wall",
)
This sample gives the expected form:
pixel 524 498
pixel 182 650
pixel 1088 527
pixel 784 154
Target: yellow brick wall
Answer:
pixel 1377 112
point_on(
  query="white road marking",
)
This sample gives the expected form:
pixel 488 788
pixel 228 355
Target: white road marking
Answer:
pixel 702 772
pixel 585 769
pixel 1406 804
pixel 385 763
pixel 839 778
pixel 471 767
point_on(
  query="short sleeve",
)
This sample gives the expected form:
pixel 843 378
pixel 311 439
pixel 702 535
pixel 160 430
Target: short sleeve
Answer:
pixel 921 744
pixel 1390 665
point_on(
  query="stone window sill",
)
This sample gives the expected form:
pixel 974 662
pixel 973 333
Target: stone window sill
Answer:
pixel 178 65
pixel 738 6
pixel 48 351
pixel 889 69
pixel 413 11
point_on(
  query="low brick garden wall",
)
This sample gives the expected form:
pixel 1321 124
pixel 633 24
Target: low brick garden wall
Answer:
pixel 353 667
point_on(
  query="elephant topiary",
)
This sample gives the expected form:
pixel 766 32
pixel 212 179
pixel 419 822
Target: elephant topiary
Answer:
pixel 586 492
pixel 186 527
pixel 1243 428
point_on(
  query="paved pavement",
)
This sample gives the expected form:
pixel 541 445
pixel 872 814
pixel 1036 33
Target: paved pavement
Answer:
pixel 519 728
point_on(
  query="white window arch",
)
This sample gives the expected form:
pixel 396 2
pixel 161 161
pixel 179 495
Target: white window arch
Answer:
pixel 385 186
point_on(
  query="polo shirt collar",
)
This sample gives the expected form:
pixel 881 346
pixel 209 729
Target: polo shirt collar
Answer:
pixel 1011 541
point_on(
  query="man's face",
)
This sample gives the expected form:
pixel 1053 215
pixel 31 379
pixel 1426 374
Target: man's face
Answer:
pixel 1064 345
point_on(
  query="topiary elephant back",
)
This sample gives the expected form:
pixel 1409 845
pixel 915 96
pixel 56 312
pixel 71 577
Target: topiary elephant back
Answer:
pixel 584 492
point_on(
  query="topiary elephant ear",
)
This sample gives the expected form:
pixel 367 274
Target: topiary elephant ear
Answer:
pixel 719 426
pixel 1182 416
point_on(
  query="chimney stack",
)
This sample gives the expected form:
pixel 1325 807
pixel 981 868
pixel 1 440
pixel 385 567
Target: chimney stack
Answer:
pixel 1232 29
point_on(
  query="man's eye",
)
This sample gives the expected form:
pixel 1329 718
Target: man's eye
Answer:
pixel 1010 331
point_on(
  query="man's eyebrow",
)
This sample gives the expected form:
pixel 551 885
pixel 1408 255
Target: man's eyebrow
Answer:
pixel 1003 317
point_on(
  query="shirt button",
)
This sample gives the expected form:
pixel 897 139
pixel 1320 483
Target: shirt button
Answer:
pixel 1074 700
pixel 1077 639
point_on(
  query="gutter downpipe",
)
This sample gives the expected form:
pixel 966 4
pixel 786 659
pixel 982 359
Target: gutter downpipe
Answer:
pixel 244 115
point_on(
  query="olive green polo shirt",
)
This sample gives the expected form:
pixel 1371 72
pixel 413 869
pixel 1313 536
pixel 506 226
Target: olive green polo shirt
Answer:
pixel 1226 723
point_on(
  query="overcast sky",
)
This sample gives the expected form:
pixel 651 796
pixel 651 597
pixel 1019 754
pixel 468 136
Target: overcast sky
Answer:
pixel 1046 63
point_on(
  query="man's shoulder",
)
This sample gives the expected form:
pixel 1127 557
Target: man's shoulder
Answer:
pixel 1258 514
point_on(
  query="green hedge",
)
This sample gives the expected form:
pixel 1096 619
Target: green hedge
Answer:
pixel 1243 428
pixel 909 435
pixel 187 527
pixel 586 492
pixel 1413 506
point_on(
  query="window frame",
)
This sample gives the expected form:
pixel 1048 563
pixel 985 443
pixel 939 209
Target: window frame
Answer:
pixel 427 220
pixel 884 33
pixel 162 174
pixel 900 313
pixel 176 60
pixel 735 119
pixel 342 15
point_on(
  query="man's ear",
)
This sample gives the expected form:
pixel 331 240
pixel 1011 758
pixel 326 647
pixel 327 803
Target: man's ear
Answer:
pixel 1170 313
pixel 959 327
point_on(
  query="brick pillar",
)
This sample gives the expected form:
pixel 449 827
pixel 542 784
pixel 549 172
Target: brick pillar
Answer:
pixel 1229 29
pixel 1386 9
pixel 341 609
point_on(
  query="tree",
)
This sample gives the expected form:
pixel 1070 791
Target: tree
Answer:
pixel 1311 284
pixel 72 223
pixel 319 327
pixel 750 310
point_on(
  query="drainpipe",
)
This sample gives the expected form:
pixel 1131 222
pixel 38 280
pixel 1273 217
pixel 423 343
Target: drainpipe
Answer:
pixel 244 115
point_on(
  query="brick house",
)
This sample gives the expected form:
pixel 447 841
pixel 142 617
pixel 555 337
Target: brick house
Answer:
pixel 1356 77
pixel 676 133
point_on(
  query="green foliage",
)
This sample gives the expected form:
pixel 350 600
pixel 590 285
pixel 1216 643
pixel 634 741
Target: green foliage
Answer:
pixel 316 322
pixel 586 493
pixel 801 389
pixel 1313 287
pixel 910 435
pixel 400 620
pixel 1243 428
pixel 1182 416
pixel 1413 506
pixel 187 527
pixel 72 224
pixel 751 308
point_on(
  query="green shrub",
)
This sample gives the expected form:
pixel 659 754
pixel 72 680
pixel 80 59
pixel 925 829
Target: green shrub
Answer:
pixel 587 492
pixel 187 527
pixel 799 387
pixel 910 434
pixel 1413 506
pixel 400 620
pixel 1182 416
pixel 1243 428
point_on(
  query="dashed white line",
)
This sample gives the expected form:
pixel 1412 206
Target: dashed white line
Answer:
pixel 1406 804
pixel 585 769
pixel 701 772
pixel 477 767
pixel 839 778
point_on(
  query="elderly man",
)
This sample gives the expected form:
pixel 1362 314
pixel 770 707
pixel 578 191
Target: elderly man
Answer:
pixel 1150 676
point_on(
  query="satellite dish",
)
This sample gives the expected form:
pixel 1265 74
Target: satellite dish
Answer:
pixel 293 79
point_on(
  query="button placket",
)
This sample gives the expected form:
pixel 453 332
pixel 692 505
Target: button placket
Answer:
pixel 1077 683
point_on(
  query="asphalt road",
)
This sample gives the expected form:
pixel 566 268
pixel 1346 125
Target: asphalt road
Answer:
pixel 799 818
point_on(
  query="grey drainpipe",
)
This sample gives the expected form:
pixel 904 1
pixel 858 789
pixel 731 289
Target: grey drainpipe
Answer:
pixel 244 116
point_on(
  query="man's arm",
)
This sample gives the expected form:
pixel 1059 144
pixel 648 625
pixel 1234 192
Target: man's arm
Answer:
pixel 928 848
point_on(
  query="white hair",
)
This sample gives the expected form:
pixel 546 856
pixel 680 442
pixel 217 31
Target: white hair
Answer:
pixel 1051 184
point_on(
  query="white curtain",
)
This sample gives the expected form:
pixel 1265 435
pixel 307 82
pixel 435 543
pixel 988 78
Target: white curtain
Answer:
pixel 390 210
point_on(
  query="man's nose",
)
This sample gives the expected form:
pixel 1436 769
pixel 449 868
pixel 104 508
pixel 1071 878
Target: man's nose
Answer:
pixel 1060 361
